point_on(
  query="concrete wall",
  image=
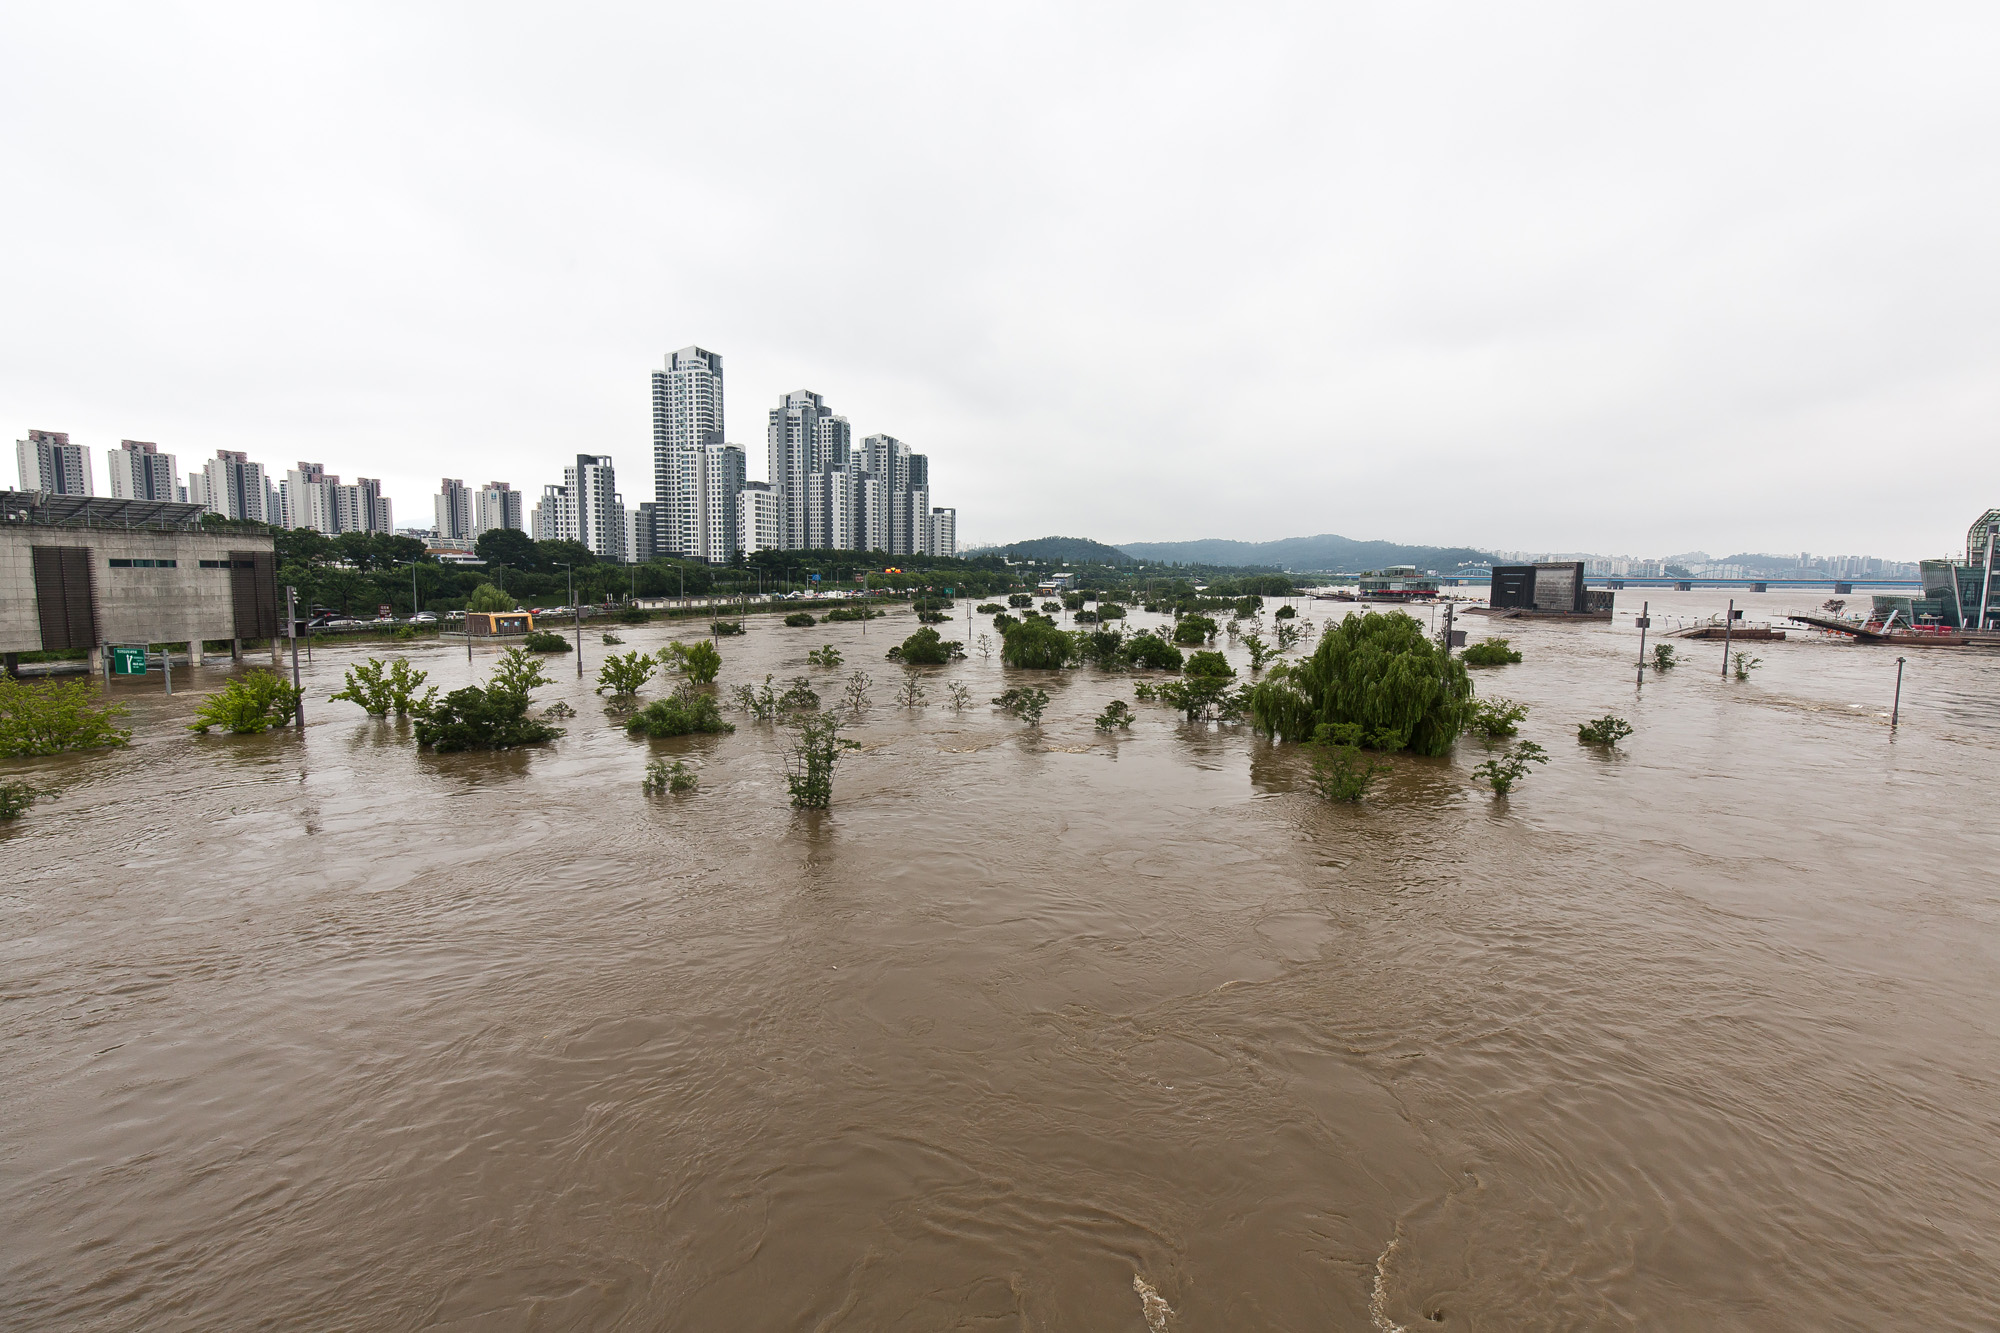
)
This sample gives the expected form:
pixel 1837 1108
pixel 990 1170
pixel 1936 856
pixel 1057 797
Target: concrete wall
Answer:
pixel 133 605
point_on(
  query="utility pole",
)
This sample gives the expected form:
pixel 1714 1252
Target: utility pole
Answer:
pixel 577 613
pixel 1645 623
pixel 292 632
pixel 1728 625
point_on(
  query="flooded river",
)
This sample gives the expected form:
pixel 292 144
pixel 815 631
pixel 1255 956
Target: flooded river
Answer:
pixel 1030 1031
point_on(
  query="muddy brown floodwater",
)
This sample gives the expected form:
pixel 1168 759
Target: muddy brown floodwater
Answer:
pixel 1030 1031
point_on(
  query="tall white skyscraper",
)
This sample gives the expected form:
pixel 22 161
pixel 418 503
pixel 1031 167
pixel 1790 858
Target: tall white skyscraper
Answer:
pixel 47 461
pixel 361 507
pixel 306 499
pixel 687 417
pixel 941 535
pixel 451 509
pixel 138 470
pixel 497 506
pixel 231 485
pixel 586 508
pixel 757 522
pixel 793 440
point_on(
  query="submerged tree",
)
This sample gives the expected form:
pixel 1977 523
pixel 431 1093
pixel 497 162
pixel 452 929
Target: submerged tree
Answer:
pixel 1378 677
pixel 54 717
pixel 686 712
pixel 816 747
pixel 1026 704
pixel 1340 773
pixel 698 661
pixel 1606 731
pixel 494 717
pixel 926 648
pixel 1490 652
pixel 1503 772
pixel 249 705
pixel 1036 644
pixel 622 677
pixel 1496 717
pixel 381 689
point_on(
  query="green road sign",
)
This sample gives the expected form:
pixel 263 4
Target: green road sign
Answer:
pixel 128 659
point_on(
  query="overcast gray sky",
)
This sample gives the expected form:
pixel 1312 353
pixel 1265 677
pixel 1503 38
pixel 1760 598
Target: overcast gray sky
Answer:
pixel 1579 276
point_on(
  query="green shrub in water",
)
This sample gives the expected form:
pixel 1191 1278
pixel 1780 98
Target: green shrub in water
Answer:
pixel 1378 673
pixel 54 717
pixel 1490 652
pixel 248 705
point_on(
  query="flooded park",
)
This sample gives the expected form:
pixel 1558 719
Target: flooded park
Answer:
pixel 1037 1028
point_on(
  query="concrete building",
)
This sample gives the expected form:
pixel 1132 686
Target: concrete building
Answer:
pixel 497 506
pixel 452 512
pixel 758 522
pixel 362 507
pixel 792 441
pixel 47 461
pixel 78 572
pixel 586 508
pixel 642 532
pixel 137 470
pixel 306 500
pixel 688 416
pixel 941 535
pixel 231 485
pixel 1548 588
pixel 830 510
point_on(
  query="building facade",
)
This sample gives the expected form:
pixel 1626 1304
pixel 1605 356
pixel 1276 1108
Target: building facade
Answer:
pixel 231 485
pixel 47 461
pixel 757 517
pixel 497 505
pixel 452 512
pixel 823 490
pixel 694 487
pixel 81 574
pixel 137 470
pixel 586 508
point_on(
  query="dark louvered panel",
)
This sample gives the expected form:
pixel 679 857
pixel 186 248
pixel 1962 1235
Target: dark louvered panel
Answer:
pixel 253 588
pixel 63 598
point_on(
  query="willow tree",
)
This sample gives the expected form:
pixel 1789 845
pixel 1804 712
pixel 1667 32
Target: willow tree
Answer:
pixel 1376 680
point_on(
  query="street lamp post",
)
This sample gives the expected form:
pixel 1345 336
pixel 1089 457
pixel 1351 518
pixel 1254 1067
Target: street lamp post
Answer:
pixel 576 612
pixel 414 608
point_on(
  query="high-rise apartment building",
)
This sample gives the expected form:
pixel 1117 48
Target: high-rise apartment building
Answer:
pixel 138 470
pixel 361 507
pixel 586 508
pixel 824 491
pixel 757 517
pixel 793 443
pixel 497 505
pixel 311 497
pixel 231 485
pixel 713 477
pixel 47 461
pixel 941 536
pixel 688 418
pixel 306 499
pixel 452 511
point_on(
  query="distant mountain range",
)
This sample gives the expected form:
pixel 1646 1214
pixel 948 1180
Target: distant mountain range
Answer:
pixel 1326 551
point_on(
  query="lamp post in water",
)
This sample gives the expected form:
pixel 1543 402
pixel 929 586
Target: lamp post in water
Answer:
pixel 292 632
pixel 1645 623
pixel 1896 710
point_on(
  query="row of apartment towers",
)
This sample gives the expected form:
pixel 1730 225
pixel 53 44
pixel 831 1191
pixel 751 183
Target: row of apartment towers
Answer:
pixel 825 492
pixel 228 484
